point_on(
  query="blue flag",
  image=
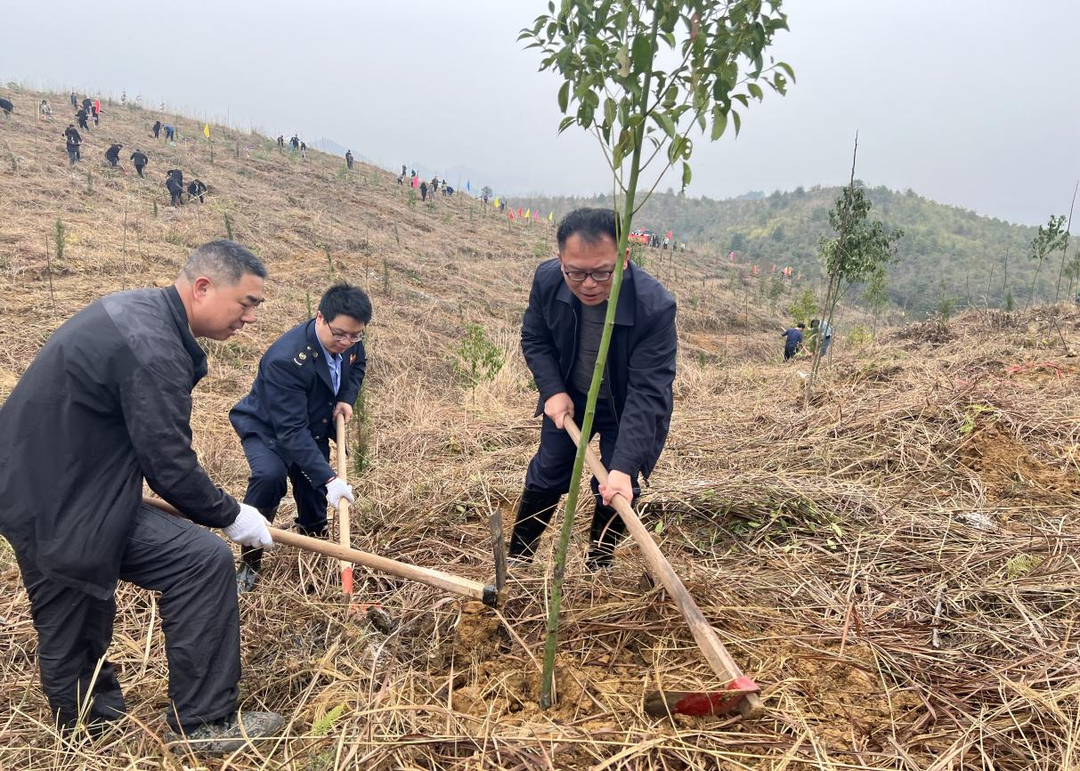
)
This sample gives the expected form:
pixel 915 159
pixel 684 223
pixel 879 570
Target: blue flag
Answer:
pixel 468 187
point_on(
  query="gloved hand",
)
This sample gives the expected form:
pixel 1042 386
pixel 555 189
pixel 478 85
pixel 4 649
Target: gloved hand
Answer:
pixel 249 529
pixel 336 489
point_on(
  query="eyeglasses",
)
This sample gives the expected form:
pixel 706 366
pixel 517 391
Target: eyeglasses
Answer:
pixel 599 276
pixel 337 334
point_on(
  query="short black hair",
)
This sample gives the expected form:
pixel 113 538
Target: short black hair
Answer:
pixel 591 224
pixel 345 300
pixel 800 325
pixel 225 261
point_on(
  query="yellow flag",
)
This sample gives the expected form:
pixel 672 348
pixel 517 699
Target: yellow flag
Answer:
pixel 551 216
pixel 496 203
pixel 206 130
pixel 527 213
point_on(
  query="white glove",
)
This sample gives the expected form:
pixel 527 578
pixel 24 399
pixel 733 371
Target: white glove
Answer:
pixel 336 489
pixel 249 529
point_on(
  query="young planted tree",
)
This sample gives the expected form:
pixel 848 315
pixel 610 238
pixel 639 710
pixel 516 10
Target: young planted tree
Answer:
pixel 876 295
pixel 641 76
pixel 1048 240
pixel 859 250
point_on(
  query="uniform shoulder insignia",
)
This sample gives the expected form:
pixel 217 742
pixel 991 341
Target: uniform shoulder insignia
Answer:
pixel 352 359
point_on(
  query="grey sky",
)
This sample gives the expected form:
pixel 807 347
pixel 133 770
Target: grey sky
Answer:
pixel 970 102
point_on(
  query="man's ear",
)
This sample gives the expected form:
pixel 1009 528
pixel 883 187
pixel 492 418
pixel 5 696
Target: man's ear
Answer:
pixel 626 261
pixel 201 287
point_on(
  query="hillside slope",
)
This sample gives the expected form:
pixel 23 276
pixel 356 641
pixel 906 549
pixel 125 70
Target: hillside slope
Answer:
pixel 893 562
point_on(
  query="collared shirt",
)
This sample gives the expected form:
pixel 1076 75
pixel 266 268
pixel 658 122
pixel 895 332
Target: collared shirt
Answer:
pixel 333 361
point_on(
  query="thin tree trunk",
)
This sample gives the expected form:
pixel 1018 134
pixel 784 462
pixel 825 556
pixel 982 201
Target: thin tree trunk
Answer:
pixel 1065 247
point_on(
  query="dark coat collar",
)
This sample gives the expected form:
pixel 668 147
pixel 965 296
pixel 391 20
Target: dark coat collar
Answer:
pixel 321 365
pixel 624 312
pixel 191 345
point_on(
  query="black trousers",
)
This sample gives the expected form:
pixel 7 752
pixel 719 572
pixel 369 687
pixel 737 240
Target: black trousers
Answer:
pixel 193 570
pixel 267 484
pixel 551 467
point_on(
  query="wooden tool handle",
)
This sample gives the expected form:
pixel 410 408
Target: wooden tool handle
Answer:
pixel 344 536
pixel 715 652
pixel 454 584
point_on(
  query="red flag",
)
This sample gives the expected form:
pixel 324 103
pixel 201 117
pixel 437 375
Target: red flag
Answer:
pixel 511 213
pixel 520 214
pixel 774 268
pixel 416 182
pixel 669 234
pixel 753 271
pixel 731 256
pixel 536 215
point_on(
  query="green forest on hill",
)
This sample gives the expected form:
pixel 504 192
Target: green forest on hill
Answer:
pixel 949 258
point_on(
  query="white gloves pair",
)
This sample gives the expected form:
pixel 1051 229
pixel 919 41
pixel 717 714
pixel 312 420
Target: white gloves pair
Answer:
pixel 336 489
pixel 249 529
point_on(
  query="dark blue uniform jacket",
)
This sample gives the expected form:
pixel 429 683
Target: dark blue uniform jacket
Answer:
pixel 640 364
pixel 292 398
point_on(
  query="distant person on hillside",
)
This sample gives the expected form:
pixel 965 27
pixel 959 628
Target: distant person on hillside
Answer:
pixel 170 132
pixel 74 99
pixel 821 334
pixel 117 379
pixel 6 107
pixel 793 338
pixel 348 159
pixel 80 116
pixel 307 378
pixel 176 191
pixel 447 190
pixel 73 141
pixel 281 141
pixel 560 337
pixel 45 111
pixel 140 160
pixel 196 189
pixel 423 191
pixel 96 112
pixel 112 155
pixel 294 143
pixel 87 105
pixel 156 128
pixel 303 151
pixel 403 169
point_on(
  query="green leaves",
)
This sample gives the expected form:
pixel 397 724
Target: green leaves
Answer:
pixel 564 97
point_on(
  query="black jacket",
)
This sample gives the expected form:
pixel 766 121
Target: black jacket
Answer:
pixel 139 159
pixel 105 404
pixel 292 398
pixel 640 365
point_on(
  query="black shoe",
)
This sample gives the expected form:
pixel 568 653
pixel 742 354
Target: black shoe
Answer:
pixel 607 528
pixel 533 514
pixel 228 735
pixel 246 578
pixel 320 531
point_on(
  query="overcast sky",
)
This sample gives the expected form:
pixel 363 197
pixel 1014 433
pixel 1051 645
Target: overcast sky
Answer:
pixel 970 102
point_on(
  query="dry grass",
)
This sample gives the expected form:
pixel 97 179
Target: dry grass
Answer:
pixel 895 565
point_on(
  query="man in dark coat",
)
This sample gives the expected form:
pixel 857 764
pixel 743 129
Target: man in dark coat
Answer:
pixel 306 379
pixel 793 340
pixel 560 337
pixel 156 128
pixel 73 141
pixel 80 116
pixel 176 191
pixel 349 159
pixel 140 160
pixel 6 106
pixel 196 189
pixel 112 155
pixel 105 405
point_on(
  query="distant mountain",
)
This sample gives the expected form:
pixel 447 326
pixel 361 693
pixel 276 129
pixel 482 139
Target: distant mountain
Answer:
pixel 949 257
pixel 333 148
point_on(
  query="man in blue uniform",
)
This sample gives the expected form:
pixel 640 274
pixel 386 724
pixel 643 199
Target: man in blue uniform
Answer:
pixel 560 337
pixel 309 376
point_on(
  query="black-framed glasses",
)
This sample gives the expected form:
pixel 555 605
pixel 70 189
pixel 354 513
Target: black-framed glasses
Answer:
pixel 599 276
pixel 337 334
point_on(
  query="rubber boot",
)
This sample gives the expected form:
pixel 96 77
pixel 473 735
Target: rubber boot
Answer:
pixel 607 528
pixel 247 575
pixel 533 514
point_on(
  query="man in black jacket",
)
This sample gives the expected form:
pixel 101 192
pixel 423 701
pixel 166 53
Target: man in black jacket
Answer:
pixel 560 337
pixel 140 160
pixel 105 405
pixel 112 155
pixel 309 376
